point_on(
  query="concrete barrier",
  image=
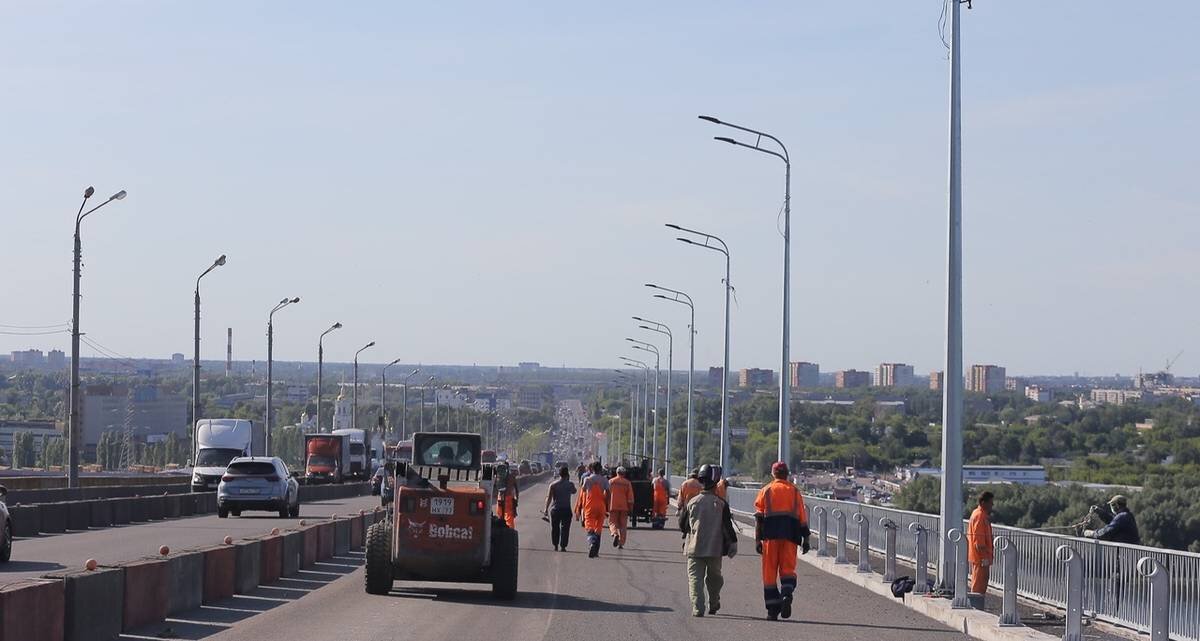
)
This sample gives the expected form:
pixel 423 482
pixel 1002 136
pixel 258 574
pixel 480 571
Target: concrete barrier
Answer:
pixel 94 603
pixel 356 531
pixel 292 552
pixel 309 551
pixel 154 507
pixel 270 564
pixel 172 506
pixel 79 515
pixel 120 511
pixel 26 519
pixel 247 566
pixel 218 573
pixel 185 581
pixel 32 610
pixel 325 540
pixel 187 505
pixel 341 537
pixel 137 509
pixel 54 518
pixel 101 513
pixel 145 593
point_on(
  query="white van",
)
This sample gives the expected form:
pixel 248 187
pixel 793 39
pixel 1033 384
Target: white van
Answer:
pixel 219 441
pixel 360 458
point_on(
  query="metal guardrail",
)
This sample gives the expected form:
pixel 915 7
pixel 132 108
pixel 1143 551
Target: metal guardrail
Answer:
pixel 1115 584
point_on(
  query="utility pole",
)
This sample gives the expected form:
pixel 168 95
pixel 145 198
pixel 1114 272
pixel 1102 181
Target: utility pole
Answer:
pixel 952 395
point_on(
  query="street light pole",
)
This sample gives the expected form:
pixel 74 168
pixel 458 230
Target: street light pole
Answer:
pixel 722 248
pixel 647 347
pixel 354 392
pixel 952 395
pixel 784 448
pixel 383 394
pixel 645 400
pixel 270 355
pixel 684 299
pixel 74 426
pixel 196 355
pixel 404 414
pixel 655 326
pixel 320 366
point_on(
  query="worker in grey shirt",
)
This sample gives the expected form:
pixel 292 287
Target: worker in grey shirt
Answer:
pixel 707 526
pixel 558 508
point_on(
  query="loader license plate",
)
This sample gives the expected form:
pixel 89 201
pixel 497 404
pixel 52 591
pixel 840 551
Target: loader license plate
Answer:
pixel 443 506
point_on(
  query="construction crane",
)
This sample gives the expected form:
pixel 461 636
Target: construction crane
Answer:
pixel 1172 361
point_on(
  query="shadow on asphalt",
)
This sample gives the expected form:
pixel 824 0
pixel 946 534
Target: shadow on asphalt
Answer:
pixel 218 617
pixel 524 600
pixel 841 624
pixel 30 566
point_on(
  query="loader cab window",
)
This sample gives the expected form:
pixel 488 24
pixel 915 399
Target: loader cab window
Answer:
pixel 460 453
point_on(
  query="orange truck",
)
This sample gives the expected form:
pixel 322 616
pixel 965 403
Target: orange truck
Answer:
pixel 326 458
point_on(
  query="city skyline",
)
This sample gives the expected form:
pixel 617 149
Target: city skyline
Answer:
pixel 527 235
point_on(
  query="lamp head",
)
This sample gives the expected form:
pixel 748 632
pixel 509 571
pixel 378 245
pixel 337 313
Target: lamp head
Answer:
pixel 725 139
pixel 371 344
pixel 415 372
pixel 285 301
pixel 710 119
pixel 336 326
pixel 295 300
pixel 673 226
pixel 220 261
pixel 120 195
pixel 87 193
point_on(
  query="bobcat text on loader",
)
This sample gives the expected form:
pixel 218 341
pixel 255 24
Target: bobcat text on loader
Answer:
pixel 443 526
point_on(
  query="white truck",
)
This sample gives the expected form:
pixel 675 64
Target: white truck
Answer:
pixel 219 441
pixel 359 458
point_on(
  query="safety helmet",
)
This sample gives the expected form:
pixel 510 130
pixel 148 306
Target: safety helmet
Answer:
pixel 708 475
pixel 621 470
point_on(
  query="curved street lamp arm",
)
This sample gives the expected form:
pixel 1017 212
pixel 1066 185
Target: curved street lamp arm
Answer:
pixel 760 134
pixel 707 237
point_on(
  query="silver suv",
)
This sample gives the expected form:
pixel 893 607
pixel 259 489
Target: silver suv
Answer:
pixel 258 483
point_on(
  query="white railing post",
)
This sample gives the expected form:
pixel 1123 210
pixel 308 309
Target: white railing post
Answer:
pixel 889 549
pixel 1073 630
pixel 1160 597
pixel 823 528
pixel 921 585
pixel 1009 617
pixel 961 600
pixel 840 517
pixel 864 543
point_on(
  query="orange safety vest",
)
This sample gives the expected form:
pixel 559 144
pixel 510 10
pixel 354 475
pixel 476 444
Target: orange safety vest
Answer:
pixel 620 494
pixel 781 509
pixel 980 546
pixel 688 490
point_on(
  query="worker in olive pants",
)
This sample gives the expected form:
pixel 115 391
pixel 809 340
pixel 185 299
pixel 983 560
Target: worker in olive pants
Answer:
pixel 707 526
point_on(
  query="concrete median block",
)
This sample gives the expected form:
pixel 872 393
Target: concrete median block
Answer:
pixel 101 513
pixel 54 518
pixel 26 519
pixel 341 537
pixel 210 502
pixel 154 507
pixel 247 566
pixel 187 505
pixel 218 573
pixel 185 582
pixel 325 540
pixel 292 552
pixel 172 506
pixel 270 563
pixel 356 532
pixel 145 593
pixel 32 610
pixel 79 515
pixel 94 604
pixel 309 552
pixel 120 511
pixel 137 509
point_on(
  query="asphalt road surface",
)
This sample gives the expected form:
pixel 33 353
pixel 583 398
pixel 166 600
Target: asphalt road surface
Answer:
pixel 35 556
pixel 636 593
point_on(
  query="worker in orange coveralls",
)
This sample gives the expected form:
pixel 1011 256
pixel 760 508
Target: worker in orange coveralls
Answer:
pixel 592 506
pixel 781 523
pixel 689 488
pixel 620 502
pixel 506 495
pixel 980 548
pixel 662 498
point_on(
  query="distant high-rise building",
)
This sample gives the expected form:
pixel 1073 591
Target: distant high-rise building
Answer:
pixel 145 411
pixel 529 366
pixel 851 378
pixel 29 358
pixel 937 381
pixel 803 374
pixel 177 358
pixel 1039 394
pixel 754 377
pixel 56 359
pixel 894 375
pixel 1014 384
pixel 714 376
pixel 986 379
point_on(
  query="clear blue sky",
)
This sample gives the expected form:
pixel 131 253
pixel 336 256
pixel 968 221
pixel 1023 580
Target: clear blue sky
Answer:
pixel 487 182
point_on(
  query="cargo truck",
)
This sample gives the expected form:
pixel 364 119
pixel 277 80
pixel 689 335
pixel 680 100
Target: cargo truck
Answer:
pixel 326 458
pixel 358 458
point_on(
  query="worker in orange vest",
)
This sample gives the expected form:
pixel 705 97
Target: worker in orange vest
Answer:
pixel 980 547
pixel 592 506
pixel 781 524
pixel 662 498
pixel 620 502
pixel 690 488
pixel 506 495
